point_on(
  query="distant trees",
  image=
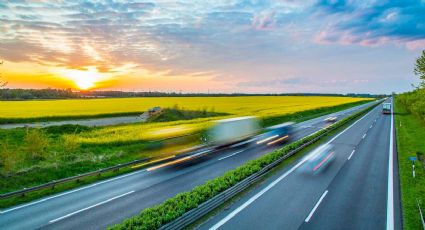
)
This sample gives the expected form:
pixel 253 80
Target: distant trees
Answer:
pixel 26 94
pixel 420 68
pixel 414 101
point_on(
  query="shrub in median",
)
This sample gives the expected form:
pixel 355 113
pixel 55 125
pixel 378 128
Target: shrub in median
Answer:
pixel 171 209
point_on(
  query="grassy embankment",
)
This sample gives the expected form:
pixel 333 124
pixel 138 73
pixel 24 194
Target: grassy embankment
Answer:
pixel 410 143
pixel 34 156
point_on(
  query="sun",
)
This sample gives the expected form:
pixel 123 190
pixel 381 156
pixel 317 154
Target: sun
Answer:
pixel 83 79
pixel 84 83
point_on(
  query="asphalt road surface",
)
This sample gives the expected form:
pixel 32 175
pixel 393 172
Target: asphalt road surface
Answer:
pixel 86 122
pixel 353 192
pixel 107 202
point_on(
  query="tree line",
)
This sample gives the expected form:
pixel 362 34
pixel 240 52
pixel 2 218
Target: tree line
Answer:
pixel 49 93
pixel 414 101
pixel 28 94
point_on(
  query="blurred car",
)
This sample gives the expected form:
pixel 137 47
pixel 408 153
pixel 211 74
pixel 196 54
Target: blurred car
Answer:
pixel 331 119
pixel 319 159
pixel 277 134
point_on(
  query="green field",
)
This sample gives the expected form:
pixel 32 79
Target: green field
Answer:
pixel 33 156
pixel 410 143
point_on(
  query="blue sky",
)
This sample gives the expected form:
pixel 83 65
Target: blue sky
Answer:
pixel 217 46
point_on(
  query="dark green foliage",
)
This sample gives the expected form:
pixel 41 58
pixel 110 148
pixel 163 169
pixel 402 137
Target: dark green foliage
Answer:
pixel 414 102
pixel 176 114
pixel 66 129
pixel 26 94
pixel 420 68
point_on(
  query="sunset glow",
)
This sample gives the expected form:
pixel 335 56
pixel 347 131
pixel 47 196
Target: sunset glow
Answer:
pixel 225 46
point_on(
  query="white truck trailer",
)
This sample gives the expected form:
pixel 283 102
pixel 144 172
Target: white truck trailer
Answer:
pixel 233 130
pixel 386 108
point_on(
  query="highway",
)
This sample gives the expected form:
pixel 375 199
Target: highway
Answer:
pixel 358 190
pixel 101 204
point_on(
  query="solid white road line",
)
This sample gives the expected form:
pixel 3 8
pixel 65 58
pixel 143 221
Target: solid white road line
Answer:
pixel 316 206
pixel 72 191
pixel 84 209
pixel 390 188
pixel 349 157
pixel 272 184
pixel 231 155
pixel 202 152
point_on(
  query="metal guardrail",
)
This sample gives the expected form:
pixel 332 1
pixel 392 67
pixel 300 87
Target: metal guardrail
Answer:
pixel 211 204
pixel 151 161
pixel 52 184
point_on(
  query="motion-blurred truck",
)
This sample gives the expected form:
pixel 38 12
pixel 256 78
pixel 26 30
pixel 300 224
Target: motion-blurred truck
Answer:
pixel 233 130
pixel 386 108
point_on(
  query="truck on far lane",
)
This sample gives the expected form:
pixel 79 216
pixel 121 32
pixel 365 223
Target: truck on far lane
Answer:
pixel 386 108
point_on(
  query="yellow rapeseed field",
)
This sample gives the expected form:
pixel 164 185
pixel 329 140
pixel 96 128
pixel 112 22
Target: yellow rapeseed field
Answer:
pixel 249 105
pixel 235 106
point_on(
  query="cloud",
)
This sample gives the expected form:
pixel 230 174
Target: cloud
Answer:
pixel 273 83
pixel 264 20
pixel 373 22
pixel 237 43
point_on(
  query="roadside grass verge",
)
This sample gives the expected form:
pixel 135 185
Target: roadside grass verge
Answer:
pixel 410 143
pixel 171 209
pixel 74 150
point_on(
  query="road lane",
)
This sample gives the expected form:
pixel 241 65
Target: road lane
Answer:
pixel 357 196
pixel 291 201
pixel 149 188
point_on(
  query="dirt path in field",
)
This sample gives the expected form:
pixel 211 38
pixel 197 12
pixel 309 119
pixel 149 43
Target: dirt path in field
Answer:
pixel 86 122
